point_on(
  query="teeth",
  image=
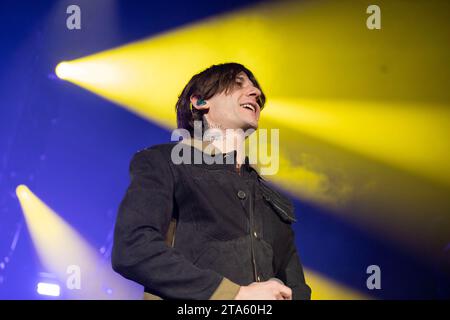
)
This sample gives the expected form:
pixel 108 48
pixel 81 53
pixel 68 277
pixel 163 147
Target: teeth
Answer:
pixel 248 106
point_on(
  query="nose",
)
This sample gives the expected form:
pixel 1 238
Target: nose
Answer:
pixel 254 92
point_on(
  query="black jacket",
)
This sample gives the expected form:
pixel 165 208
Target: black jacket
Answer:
pixel 232 228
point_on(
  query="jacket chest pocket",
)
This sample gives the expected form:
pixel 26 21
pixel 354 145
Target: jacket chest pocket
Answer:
pixel 277 215
pixel 278 203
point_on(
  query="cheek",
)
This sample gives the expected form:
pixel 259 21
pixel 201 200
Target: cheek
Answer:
pixel 233 107
pixel 223 111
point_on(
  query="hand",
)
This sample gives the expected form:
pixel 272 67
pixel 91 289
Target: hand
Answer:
pixel 267 290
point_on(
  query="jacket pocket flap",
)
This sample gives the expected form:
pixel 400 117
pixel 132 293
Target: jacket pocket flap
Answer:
pixel 279 203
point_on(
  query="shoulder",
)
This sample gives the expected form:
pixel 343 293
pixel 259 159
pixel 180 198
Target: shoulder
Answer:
pixel 155 156
pixel 162 150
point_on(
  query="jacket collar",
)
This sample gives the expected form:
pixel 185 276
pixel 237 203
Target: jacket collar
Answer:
pixel 213 156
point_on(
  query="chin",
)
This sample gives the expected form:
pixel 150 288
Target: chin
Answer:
pixel 250 125
pixel 246 123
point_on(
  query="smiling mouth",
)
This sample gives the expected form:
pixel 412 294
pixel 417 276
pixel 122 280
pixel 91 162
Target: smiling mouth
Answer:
pixel 249 106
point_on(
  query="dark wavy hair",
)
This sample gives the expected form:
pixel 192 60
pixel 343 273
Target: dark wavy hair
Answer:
pixel 204 85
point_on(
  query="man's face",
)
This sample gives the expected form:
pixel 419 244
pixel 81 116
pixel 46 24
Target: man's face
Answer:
pixel 239 109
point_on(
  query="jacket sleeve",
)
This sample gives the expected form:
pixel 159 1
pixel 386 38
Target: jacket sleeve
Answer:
pixel 139 250
pixel 292 273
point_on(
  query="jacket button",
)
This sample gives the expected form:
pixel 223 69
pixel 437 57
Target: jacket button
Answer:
pixel 241 194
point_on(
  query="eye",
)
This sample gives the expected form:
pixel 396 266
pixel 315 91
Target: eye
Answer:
pixel 240 80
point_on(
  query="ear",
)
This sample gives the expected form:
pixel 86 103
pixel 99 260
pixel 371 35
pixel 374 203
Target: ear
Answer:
pixel 198 103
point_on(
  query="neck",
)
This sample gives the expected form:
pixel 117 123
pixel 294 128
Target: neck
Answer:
pixel 226 140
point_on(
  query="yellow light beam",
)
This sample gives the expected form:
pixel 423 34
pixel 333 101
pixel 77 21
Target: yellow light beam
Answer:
pixel 326 289
pixel 406 135
pixel 60 249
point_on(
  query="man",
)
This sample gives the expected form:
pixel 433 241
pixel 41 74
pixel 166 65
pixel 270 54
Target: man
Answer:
pixel 212 229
